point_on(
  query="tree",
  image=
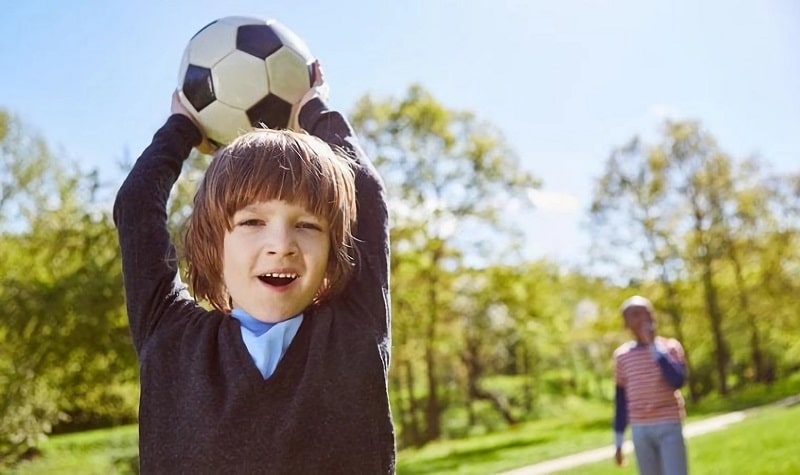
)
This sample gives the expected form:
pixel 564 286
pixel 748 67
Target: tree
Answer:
pixel 64 346
pixel 449 179
pixel 27 404
pixel 633 210
pixel 693 214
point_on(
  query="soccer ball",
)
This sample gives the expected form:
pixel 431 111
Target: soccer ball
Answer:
pixel 238 73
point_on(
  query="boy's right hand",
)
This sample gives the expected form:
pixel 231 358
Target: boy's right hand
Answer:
pixel 205 146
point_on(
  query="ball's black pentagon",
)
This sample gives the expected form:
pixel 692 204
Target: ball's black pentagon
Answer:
pixel 258 40
pixel 198 87
pixel 271 111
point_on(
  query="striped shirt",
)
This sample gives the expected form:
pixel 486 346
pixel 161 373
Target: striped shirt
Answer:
pixel 646 376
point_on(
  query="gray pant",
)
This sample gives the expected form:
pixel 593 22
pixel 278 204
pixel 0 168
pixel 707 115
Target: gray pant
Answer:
pixel 660 448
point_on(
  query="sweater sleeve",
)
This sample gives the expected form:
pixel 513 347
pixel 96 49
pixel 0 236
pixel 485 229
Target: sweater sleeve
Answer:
pixel 370 284
pixel 620 415
pixel 671 363
pixel 149 261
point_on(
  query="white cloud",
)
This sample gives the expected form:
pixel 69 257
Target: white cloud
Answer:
pixel 554 202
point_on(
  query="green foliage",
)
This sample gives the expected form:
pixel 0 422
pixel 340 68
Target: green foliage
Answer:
pixel 449 178
pixel 27 171
pixel 64 344
pixel 701 232
pixel 28 410
pixel 679 221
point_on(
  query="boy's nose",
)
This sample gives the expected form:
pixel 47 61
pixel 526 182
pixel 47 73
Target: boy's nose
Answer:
pixel 281 241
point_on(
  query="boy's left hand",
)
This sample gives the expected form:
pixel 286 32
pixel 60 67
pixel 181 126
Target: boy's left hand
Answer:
pixel 319 89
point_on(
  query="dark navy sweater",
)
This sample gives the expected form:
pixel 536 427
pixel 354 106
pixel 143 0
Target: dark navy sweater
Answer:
pixel 205 407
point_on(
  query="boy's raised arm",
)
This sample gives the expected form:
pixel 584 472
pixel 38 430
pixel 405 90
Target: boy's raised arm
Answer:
pixel 149 261
pixel 372 221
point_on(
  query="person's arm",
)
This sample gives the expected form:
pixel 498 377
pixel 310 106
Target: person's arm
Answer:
pixel 620 409
pixel 370 282
pixel 670 362
pixel 149 261
pixel 620 416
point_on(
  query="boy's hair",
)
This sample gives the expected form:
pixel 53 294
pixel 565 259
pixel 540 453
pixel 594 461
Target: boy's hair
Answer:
pixel 268 165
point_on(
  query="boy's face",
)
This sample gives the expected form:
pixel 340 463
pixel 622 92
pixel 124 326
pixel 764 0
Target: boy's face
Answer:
pixel 274 259
pixel 640 322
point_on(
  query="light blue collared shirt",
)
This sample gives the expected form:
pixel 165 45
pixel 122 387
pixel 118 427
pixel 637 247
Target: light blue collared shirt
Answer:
pixel 266 342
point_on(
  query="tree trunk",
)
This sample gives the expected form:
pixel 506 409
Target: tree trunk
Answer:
pixel 756 352
pixel 471 361
pixel 721 355
pixel 433 429
pixel 433 409
pixel 411 430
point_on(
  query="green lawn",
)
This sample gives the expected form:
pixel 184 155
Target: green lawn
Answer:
pixel 573 424
pixel 494 453
pixel 764 443
pixel 97 452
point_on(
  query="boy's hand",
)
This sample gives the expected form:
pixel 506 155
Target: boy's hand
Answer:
pixel 177 107
pixel 619 457
pixel 318 89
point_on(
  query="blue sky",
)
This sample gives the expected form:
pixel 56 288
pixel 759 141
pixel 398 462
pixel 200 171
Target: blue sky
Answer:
pixel 565 81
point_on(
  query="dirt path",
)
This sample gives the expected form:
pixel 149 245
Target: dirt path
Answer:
pixel 691 429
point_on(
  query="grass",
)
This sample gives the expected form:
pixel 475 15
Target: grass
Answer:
pixel 581 425
pixel 764 443
pixel 96 452
pixel 498 452
pixel 575 425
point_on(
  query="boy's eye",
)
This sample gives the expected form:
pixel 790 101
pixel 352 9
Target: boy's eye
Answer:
pixel 250 222
pixel 309 225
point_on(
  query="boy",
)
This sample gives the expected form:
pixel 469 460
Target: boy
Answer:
pixel 288 372
pixel 649 372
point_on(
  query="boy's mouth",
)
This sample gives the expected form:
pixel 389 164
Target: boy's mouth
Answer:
pixel 277 279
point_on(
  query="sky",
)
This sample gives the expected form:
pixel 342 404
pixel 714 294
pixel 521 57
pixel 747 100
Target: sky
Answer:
pixel 565 81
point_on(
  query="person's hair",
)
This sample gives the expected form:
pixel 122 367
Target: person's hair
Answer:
pixel 265 165
pixel 636 301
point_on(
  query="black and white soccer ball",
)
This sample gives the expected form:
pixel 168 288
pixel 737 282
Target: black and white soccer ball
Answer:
pixel 238 73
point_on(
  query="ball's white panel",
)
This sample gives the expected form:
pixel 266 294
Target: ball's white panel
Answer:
pixel 237 21
pixel 292 40
pixel 240 80
pixel 212 44
pixel 288 75
pixel 223 123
